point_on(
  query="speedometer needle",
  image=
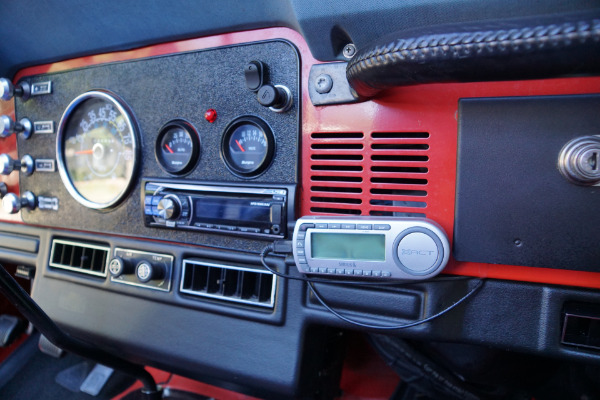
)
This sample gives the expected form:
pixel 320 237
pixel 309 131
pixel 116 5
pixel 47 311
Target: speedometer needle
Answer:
pixel 239 145
pixel 168 148
pixel 90 151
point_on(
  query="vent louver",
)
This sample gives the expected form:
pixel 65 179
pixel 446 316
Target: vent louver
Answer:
pixel 79 257
pixel 230 283
pixel 384 174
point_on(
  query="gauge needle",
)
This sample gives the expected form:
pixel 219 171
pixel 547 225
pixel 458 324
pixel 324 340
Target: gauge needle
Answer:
pixel 168 148
pixel 239 145
pixel 90 151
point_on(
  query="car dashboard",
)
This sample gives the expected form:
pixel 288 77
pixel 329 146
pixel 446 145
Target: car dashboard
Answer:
pixel 161 193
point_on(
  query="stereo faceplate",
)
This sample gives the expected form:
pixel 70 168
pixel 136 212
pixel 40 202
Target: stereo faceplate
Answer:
pixel 256 211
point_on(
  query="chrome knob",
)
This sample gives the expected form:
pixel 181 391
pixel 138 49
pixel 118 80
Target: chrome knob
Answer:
pixel 147 272
pixel 8 127
pixel 118 266
pixel 579 160
pixel 8 90
pixel 11 203
pixel 8 164
pixel 169 207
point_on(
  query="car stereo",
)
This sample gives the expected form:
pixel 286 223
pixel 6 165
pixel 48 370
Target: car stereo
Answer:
pixel 257 211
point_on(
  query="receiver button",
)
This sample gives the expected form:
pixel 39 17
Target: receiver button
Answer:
pixel 304 227
pixel 364 227
pixel 382 227
pixel 418 252
pixel 334 226
pixel 321 226
pixel 348 226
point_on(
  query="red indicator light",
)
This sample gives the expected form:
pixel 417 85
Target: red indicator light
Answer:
pixel 210 115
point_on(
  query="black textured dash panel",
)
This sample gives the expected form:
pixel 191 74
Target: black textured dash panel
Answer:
pixel 512 204
pixel 158 90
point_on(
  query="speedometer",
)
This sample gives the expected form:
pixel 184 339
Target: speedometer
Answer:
pixel 96 148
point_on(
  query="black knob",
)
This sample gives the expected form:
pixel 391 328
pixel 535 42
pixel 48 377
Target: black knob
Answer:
pixel 118 266
pixel 11 203
pixel 169 207
pixel 254 75
pixel 271 96
pixel 8 90
pixel 147 272
pixel 3 189
pixel 8 127
pixel 8 164
pixel 278 98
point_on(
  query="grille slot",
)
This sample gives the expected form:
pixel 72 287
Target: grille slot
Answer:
pixel 377 174
pixel 80 257
pixel 230 283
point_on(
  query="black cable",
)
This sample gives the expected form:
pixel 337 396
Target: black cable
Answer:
pixel 387 282
pixel 311 281
pixel 399 326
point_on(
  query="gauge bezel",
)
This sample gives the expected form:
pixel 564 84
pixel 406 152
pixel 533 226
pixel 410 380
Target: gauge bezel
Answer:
pixel 122 107
pixel 195 136
pixel 226 155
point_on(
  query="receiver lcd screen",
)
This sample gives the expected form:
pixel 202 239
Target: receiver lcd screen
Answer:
pixel 348 246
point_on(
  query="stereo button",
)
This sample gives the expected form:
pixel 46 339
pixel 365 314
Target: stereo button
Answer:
pixel 300 252
pixel 276 214
pixel 348 226
pixel 300 244
pixel 364 227
pixel 334 226
pixel 302 260
pixel 321 226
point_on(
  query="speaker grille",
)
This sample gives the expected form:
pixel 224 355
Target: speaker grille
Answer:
pixel 384 174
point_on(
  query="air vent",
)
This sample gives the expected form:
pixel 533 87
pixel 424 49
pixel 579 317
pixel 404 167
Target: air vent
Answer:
pixel 230 283
pixel 79 257
pixel 384 174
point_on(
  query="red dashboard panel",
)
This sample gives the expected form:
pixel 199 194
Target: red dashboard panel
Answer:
pixel 393 154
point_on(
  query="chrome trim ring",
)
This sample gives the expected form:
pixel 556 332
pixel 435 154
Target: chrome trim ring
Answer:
pixel 64 175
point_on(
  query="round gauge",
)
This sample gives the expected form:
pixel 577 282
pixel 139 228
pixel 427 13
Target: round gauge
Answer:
pixel 96 147
pixel 248 146
pixel 177 147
